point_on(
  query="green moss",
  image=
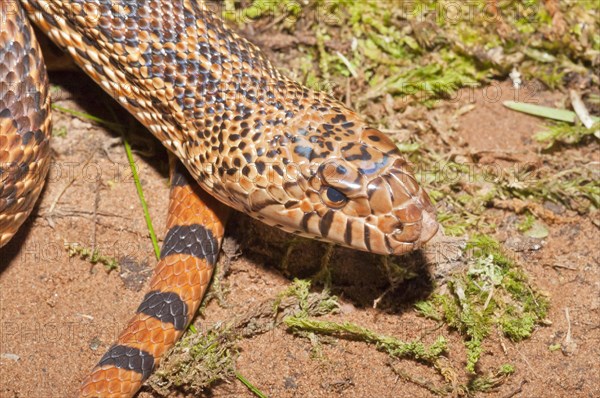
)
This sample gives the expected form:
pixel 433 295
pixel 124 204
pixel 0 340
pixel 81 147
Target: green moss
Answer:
pixel 554 347
pixel 577 187
pixel 200 359
pixel 454 223
pixel 518 327
pixel 428 310
pixel 526 223
pixel 493 379
pixel 196 362
pixel 299 290
pixel 59 132
pixel 426 50
pixel 468 190
pixel 565 133
pixel 492 292
pixel 93 257
pixel 393 346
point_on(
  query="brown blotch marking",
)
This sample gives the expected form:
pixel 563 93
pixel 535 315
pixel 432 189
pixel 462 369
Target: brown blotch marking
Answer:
pixel 367 236
pixel 326 221
pixel 348 232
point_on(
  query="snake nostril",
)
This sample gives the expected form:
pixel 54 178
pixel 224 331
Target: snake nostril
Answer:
pixel 388 224
pixel 409 232
pixel 398 228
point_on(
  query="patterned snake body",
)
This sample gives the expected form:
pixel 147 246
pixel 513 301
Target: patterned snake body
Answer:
pixel 252 138
pixel 25 123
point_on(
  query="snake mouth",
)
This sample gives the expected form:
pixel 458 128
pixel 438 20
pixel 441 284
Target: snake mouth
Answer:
pixel 408 237
pixel 415 227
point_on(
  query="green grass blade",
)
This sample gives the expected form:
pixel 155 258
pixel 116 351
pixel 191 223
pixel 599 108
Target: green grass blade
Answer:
pixel 138 186
pixel 562 115
pixel 249 385
pixel 140 192
pixel 83 115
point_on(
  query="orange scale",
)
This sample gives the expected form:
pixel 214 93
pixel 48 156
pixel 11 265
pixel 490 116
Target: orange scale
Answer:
pixel 112 373
pixel 114 386
pixel 161 282
pixel 164 338
pixel 129 376
pixel 197 278
pixel 136 340
pixel 139 322
pixel 168 285
pixel 178 268
pixel 194 281
pixel 181 280
pixel 101 375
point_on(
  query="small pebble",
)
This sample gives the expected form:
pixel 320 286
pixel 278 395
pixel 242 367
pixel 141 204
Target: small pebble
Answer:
pixel 10 357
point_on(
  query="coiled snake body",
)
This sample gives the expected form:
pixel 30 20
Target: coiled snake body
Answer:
pixel 250 138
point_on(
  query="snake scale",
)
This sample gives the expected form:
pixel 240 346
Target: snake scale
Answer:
pixel 246 137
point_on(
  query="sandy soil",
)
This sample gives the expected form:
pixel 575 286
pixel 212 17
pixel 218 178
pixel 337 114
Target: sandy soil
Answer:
pixel 59 314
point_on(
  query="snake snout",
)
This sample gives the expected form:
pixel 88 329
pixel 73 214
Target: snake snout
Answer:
pixel 408 236
pixel 398 193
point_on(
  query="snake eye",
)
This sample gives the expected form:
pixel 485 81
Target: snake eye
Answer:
pixel 333 198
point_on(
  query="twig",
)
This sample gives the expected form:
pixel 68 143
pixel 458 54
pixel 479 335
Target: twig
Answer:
pixel 518 390
pixel 348 93
pixel 348 64
pixel 568 337
pixel 421 382
pixel 381 296
pixel 489 298
pixel 526 361
pixel 64 189
pixel 560 266
pixel 569 345
pixel 274 22
pixel 580 109
pixel 72 212
pixel 95 215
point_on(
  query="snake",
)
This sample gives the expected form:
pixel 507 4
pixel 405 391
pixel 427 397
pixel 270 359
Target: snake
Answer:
pixel 243 136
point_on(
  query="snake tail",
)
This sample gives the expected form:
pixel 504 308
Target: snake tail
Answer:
pixel 195 228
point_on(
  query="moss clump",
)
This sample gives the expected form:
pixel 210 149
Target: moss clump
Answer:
pixel 393 346
pixel 93 256
pixel 492 292
pixel 493 379
pixel 426 50
pixel 197 361
pixel 566 133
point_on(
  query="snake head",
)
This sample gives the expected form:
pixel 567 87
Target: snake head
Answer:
pixel 344 183
pixel 367 198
